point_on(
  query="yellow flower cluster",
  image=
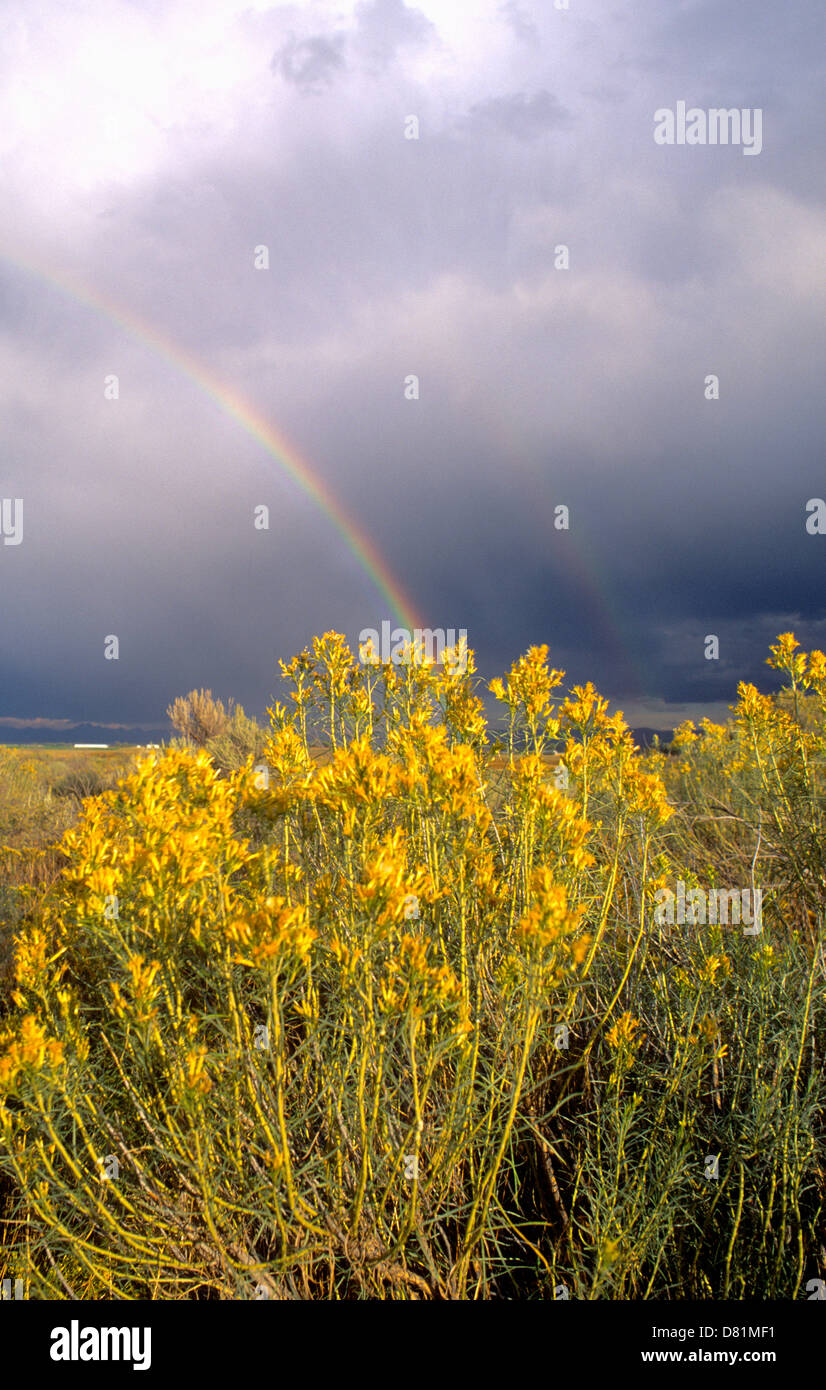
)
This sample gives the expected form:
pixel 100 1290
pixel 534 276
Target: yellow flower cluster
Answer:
pixel 714 966
pixel 411 984
pixel 529 684
pixel 550 924
pixel 274 932
pixel 356 780
pixel 162 845
pixel 625 1041
pixel 140 1005
pixel 646 797
pixel 388 890
pixel 623 1032
pixel 29 1046
pixel 196 1078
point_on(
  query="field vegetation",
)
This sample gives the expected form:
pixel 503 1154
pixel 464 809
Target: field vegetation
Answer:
pixel 374 1003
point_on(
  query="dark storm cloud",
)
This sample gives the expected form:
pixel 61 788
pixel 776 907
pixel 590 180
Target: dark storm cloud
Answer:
pixel 437 257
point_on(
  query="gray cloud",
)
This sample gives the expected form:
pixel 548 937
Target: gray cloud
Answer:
pixel 384 27
pixel 521 116
pixel 380 31
pixel 312 63
pixel 520 23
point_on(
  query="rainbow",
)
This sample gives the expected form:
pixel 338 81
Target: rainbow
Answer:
pixel 607 623
pixel 232 403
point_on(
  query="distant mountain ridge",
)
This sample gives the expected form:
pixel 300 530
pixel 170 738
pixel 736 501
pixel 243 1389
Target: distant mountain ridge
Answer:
pixel 132 737
pixel 85 733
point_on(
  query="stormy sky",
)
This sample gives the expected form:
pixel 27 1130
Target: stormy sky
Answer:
pixel 147 147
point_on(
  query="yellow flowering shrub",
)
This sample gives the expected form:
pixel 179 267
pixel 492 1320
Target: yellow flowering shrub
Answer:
pixel 398 1019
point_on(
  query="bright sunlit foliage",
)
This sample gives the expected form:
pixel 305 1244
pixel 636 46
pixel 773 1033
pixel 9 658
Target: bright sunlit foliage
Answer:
pixel 399 1019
